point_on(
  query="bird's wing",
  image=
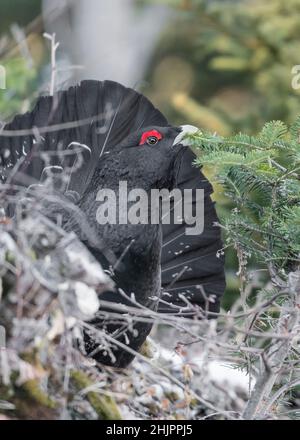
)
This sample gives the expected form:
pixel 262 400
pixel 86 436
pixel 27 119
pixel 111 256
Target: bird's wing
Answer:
pixel 192 266
pixel 97 115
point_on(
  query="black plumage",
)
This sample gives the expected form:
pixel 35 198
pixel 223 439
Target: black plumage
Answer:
pixel 108 120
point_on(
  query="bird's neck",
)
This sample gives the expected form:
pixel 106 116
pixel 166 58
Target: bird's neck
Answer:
pixel 137 247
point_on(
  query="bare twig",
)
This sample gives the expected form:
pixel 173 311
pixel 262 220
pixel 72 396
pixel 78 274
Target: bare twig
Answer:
pixel 288 321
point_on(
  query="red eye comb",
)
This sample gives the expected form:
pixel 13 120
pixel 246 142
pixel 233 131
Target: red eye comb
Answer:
pixel 149 134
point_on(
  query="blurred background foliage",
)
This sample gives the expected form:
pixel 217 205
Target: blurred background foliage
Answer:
pixel 224 66
pixel 22 54
pixel 18 11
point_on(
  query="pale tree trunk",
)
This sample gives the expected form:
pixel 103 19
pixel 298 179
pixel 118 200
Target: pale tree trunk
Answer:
pixel 112 39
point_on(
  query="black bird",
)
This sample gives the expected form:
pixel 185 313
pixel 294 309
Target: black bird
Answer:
pixel 121 137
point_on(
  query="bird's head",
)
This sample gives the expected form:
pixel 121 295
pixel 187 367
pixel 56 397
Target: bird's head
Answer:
pixel 147 158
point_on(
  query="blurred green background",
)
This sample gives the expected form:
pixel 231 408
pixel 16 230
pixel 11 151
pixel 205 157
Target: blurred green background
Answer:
pixel 225 66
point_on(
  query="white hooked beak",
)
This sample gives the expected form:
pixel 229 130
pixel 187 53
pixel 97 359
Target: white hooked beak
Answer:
pixel 186 130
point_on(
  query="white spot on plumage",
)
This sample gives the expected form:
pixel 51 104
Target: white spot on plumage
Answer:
pixel 6 153
pixel 78 144
pixel 23 150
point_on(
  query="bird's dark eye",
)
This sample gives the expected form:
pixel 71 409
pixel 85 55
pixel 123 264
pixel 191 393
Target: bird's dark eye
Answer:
pixel 152 140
